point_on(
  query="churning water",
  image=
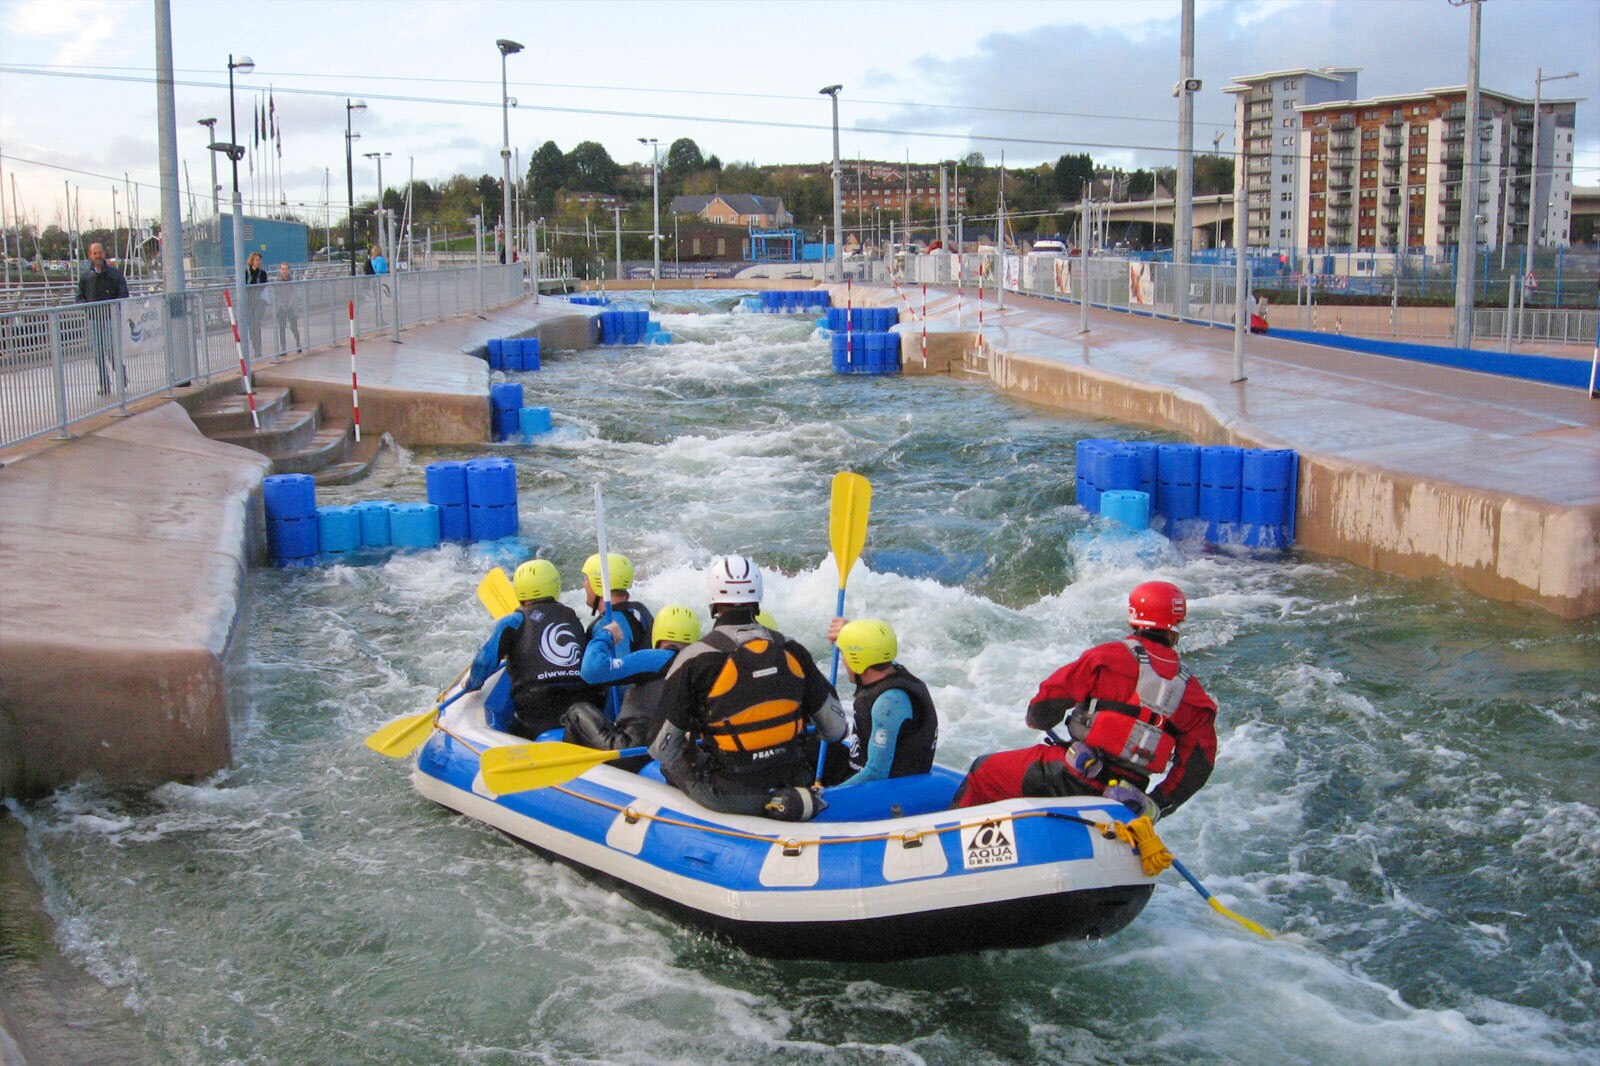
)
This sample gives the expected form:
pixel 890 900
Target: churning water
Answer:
pixel 1406 788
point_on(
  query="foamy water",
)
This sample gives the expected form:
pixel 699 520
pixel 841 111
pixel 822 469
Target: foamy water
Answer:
pixel 1405 788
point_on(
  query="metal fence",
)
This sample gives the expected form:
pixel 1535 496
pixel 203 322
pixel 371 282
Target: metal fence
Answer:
pixel 60 365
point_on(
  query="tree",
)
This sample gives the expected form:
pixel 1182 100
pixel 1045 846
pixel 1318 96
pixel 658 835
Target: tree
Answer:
pixel 547 175
pixel 684 158
pixel 1070 174
pixel 590 168
pixel 1213 174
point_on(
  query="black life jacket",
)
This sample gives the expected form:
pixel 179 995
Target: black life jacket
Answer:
pixel 544 659
pixel 919 734
pixel 1138 738
pixel 639 618
pixel 753 711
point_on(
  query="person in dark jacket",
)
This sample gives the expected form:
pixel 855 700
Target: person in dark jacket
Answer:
pixel 1133 711
pixel 638 677
pixel 737 703
pixel 896 725
pixel 255 275
pixel 103 284
pixel 541 644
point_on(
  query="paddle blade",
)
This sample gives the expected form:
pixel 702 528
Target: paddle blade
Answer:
pixel 496 593
pixel 402 736
pixel 1241 919
pixel 847 520
pixel 525 767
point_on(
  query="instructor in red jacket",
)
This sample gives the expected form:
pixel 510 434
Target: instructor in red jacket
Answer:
pixel 1133 713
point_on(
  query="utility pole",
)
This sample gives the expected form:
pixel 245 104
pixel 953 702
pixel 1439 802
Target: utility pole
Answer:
pixel 1467 231
pixel 1183 195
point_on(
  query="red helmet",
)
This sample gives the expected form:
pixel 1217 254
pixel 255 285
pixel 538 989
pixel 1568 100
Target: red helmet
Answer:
pixel 1156 605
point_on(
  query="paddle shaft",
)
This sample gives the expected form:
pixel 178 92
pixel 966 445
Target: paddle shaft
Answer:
pixel 613 696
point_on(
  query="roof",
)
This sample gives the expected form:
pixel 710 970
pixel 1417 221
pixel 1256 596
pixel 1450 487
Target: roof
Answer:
pixel 1326 73
pixel 1432 94
pixel 744 203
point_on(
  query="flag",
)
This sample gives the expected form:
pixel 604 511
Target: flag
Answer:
pixel 272 113
pixel 261 113
pixel 280 142
pixel 255 127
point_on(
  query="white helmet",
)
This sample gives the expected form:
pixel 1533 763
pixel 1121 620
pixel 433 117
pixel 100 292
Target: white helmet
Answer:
pixel 733 579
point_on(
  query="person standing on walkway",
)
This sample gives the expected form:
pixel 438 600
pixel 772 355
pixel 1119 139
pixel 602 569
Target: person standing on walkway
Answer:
pixel 103 284
pixel 254 276
pixel 288 313
pixel 1133 711
pixel 377 262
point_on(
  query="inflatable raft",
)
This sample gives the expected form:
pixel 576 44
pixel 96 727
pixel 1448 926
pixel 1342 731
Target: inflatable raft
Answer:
pixel 886 872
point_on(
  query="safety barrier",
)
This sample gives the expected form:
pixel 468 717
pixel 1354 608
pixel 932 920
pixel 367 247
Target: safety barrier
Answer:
pixel 865 353
pixel 60 365
pixel 1552 370
pixel 631 327
pixel 1223 494
pixel 514 354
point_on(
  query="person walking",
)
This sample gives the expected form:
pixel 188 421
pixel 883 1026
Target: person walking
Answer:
pixel 102 284
pixel 255 280
pixel 288 313
pixel 1133 712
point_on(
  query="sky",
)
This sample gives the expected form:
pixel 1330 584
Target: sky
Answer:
pixel 932 79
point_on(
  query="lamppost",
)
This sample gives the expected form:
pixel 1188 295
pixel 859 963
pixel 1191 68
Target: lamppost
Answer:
pixel 378 227
pixel 507 48
pixel 1540 77
pixel 244 64
pixel 1216 239
pixel 350 178
pixel 838 176
pixel 216 190
pixel 655 197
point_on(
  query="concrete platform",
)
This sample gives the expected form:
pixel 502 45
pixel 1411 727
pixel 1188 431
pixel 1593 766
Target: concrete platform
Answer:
pixel 1407 468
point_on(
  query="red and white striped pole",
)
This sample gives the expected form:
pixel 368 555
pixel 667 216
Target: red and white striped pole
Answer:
pixel 980 305
pixel 849 327
pixel 961 290
pixel 244 370
pixel 355 392
pixel 924 325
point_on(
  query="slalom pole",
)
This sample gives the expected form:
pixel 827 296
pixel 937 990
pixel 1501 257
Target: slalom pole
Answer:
pixel 244 368
pixel 980 306
pixel 1595 364
pixel 849 325
pixel 924 325
pixel 355 392
pixel 961 292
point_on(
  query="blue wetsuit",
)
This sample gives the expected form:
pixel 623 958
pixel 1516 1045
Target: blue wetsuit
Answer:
pixel 889 712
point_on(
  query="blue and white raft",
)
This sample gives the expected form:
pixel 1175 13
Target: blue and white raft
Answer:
pixel 886 872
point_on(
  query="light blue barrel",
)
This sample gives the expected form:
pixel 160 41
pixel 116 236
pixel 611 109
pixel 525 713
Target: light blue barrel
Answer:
pixel 1128 506
pixel 374 515
pixel 414 525
pixel 1219 483
pixel 289 495
pixel 535 420
pixel 660 337
pixel 291 539
pixel 338 530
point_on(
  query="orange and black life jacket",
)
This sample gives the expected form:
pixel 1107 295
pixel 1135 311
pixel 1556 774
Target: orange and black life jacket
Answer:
pixel 753 709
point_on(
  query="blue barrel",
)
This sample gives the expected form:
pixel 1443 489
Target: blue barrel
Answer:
pixel 289 496
pixel 1119 469
pixel 506 423
pixel 289 539
pixel 491 482
pixel 414 525
pixel 836 319
pixel 1178 481
pixel 447 482
pixel 1090 453
pixel 528 353
pixel 535 420
pixel 891 353
pixel 506 396
pixel 497 354
pixel 641 322
pixel 874 348
pixel 1266 479
pixel 491 523
pixel 841 362
pixel 1219 483
pixel 660 337
pixel 1128 506
pixel 452 521
pixel 374 515
pixel 338 530
pixel 1147 455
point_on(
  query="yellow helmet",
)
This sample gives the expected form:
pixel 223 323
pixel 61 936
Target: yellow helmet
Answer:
pixel 621 572
pixel 537 579
pixel 866 644
pixel 677 624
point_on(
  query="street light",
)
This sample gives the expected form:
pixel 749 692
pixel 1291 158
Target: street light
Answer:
pixel 1216 239
pixel 1540 77
pixel 507 48
pixel 655 196
pixel 378 227
pixel 244 65
pixel 838 175
pixel 216 190
pixel 351 106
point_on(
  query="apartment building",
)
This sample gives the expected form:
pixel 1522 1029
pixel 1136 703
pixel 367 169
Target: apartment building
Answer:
pixel 887 187
pixel 1387 173
pixel 1267 123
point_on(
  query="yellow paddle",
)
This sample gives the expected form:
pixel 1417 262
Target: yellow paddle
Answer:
pixel 497 595
pixel 525 767
pixel 847 535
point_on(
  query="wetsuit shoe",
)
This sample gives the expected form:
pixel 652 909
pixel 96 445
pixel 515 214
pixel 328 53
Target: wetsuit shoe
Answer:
pixel 794 805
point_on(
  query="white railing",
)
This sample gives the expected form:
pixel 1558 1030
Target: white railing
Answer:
pixel 60 365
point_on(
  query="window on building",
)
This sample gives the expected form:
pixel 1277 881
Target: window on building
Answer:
pixel 1288 123
pixel 1288 104
pixel 1291 84
pixel 1286 196
pixel 1288 142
